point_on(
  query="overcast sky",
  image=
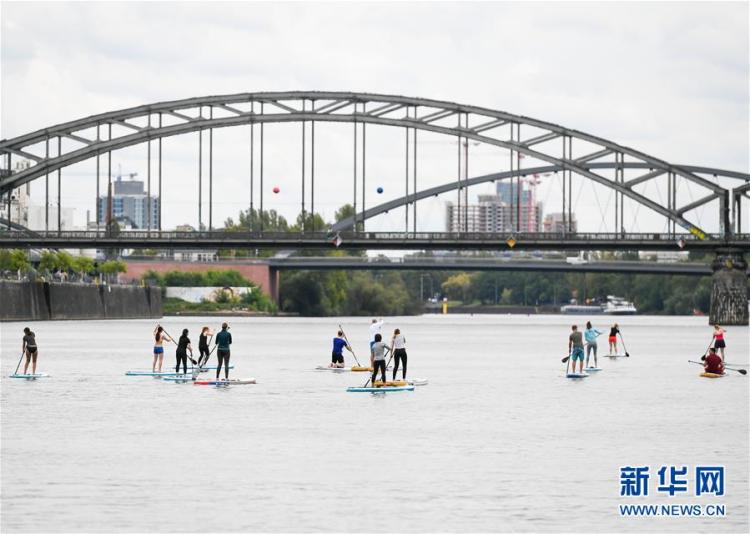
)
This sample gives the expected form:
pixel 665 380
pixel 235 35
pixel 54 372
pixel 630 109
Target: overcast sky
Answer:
pixel 670 79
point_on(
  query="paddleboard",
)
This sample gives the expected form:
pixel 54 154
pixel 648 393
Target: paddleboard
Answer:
pixel 326 368
pixel 397 383
pixel 614 355
pixel 213 368
pixel 184 378
pixel 151 373
pixel 384 389
pixel 29 376
pixel 577 375
pixel 231 382
pixel 170 373
pixel 712 375
pixel 390 383
pixel 590 369
pixel 358 369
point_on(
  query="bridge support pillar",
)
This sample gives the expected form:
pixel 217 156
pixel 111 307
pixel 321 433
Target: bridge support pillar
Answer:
pixel 729 292
pixel 273 285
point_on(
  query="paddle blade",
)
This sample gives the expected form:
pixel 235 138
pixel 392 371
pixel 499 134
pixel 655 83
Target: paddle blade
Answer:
pixel 741 371
pixel 627 354
pixel 564 360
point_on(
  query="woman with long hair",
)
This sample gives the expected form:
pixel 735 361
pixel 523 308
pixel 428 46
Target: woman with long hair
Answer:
pixel 398 349
pixel 159 336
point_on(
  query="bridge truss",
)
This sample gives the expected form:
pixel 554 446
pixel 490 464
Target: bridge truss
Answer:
pixel 562 150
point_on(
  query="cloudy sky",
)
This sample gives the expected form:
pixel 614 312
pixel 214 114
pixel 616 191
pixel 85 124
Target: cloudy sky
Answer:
pixel 670 79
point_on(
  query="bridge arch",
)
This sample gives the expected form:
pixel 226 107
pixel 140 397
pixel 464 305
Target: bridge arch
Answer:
pixel 472 123
pixel 385 207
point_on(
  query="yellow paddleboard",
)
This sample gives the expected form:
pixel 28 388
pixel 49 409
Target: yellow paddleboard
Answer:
pixel 712 375
pixel 395 383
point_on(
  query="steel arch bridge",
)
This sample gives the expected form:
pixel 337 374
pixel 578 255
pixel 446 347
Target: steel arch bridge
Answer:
pixel 563 150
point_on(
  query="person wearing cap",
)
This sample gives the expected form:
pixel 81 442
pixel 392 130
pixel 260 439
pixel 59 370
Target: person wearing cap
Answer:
pixel 223 341
pixel 713 364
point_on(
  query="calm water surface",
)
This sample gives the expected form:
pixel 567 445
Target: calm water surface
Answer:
pixel 498 441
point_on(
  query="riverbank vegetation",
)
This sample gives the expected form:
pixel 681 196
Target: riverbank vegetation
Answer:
pixel 253 300
pixel 60 266
pixel 321 293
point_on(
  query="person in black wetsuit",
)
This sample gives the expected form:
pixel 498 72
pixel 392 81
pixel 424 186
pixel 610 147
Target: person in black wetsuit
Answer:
pixel 203 342
pixel 183 345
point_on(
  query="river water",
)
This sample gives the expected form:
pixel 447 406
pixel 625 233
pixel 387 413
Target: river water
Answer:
pixel 499 440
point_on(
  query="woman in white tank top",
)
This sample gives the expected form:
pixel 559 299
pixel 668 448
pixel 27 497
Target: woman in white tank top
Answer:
pixel 398 349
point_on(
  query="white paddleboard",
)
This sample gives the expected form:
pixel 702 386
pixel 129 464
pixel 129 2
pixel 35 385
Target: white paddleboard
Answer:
pixel 29 376
pixel 418 382
pixel 577 375
pixel 183 378
pixel 592 369
pixel 335 369
pixel 230 382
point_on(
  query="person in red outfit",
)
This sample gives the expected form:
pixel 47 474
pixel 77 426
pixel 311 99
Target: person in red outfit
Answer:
pixel 713 363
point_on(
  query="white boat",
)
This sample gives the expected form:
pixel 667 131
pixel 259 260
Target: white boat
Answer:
pixel 618 306
pixel 613 306
pixel 581 309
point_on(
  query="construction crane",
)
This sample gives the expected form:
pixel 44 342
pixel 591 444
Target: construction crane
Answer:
pixel 119 176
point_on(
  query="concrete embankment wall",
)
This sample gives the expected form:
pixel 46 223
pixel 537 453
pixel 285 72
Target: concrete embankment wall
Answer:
pixel 39 301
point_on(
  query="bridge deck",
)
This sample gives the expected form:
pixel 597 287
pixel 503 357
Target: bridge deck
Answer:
pixel 371 240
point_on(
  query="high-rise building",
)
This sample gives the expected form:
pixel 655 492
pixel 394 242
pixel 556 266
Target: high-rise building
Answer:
pixel 493 213
pixel 553 222
pixel 129 201
pixel 490 214
pixel 525 213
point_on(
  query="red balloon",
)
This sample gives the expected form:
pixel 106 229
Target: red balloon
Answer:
pixel 276 189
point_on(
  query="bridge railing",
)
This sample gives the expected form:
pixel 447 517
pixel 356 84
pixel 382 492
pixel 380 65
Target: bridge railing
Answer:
pixel 504 237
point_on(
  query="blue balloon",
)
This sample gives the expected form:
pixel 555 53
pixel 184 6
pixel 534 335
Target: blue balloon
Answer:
pixel 380 190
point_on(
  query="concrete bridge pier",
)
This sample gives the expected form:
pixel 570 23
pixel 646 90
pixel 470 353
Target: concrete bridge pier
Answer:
pixel 273 285
pixel 729 293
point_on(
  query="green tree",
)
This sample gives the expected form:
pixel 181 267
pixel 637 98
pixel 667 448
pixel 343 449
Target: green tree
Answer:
pixel 112 267
pixel 345 211
pixel 83 265
pixel 14 260
pixel 48 261
pixel 457 286
pixel 506 297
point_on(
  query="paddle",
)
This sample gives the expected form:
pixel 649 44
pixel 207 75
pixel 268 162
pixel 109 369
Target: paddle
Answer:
pixel 350 346
pixel 386 367
pixel 567 362
pixel 707 349
pixel 627 355
pixel 173 341
pixel 740 371
pixel 23 353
